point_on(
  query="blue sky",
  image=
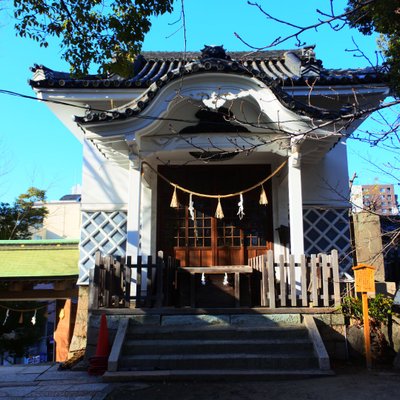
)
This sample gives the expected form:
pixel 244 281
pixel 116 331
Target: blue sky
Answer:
pixel 37 150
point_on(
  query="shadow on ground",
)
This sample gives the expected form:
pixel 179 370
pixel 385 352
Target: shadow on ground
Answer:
pixel 351 381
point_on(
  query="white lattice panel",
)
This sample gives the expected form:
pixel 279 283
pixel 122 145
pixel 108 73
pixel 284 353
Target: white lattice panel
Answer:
pixel 327 229
pixel 100 231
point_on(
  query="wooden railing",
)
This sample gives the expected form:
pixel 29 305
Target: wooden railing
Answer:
pixel 112 277
pixel 313 282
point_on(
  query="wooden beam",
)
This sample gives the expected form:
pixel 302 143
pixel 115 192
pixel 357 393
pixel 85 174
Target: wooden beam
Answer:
pixel 40 294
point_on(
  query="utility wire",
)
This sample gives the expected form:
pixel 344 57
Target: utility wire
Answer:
pixel 88 108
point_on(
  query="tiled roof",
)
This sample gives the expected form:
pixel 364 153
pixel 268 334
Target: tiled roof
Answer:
pixel 152 70
pixel 291 66
pixel 38 259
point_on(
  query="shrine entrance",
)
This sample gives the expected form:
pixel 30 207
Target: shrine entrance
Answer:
pixel 204 240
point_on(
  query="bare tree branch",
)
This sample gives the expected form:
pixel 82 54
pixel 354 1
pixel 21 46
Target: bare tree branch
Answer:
pixel 302 29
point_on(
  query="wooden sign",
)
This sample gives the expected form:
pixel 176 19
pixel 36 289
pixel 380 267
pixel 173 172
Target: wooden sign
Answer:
pixel 365 282
pixel 364 276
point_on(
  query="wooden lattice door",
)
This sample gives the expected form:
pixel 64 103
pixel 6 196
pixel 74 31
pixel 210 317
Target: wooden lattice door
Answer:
pixel 205 240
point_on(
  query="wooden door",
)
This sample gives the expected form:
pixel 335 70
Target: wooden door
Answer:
pixel 206 240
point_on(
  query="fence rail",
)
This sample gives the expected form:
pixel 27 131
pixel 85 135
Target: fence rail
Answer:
pixel 113 278
pixel 313 282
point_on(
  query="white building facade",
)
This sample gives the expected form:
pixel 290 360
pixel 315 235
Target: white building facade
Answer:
pixel 215 129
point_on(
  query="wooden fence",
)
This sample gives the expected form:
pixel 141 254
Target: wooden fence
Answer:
pixel 317 279
pixel 112 277
pixel 313 282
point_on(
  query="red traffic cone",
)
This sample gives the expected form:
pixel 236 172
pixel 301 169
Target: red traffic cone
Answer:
pixel 98 363
pixel 103 344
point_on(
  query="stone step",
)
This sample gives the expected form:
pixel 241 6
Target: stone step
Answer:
pixel 304 360
pixel 220 346
pixel 214 375
pixel 217 332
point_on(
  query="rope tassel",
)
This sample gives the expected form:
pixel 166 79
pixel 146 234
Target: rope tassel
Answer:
pixel 219 212
pixel 6 318
pixel 240 212
pixel 191 207
pixel 33 319
pixel 263 197
pixel 174 201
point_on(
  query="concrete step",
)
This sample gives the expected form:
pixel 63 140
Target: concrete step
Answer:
pixel 212 347
pixel 214 375
pixel 301 360
pixel 220 346
pixel 217 332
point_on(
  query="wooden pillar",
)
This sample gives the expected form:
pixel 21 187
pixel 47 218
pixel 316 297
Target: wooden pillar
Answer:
pixel 295 205
pixel 133 224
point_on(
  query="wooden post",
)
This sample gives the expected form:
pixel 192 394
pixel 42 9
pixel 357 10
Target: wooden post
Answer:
pixel 314 281
pixel 264 283
pixel 127 281
pixel 271 279
pixel 160 280
pixel 117 281
pixel 335 274
pixel 303 267
pixel 282 280
pixel 365 283
pixel 107 281
pixel 93 290
pixel 325 280
pixel 292 275
pixel 138 282
pixel 237 289
pixel 150 281
pixel 367 334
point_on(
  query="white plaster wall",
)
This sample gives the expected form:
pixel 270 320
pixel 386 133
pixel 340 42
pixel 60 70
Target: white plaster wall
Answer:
pixel 327 182
pixel 104 184
pixel 62 222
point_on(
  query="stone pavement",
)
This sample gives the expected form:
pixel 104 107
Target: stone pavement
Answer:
pixel 45 381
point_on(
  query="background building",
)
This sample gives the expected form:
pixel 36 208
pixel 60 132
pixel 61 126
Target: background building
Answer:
pixel 378 198
pixel 63 220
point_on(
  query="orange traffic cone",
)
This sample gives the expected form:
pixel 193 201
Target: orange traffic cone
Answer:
pixel 103 344
pixel 98 363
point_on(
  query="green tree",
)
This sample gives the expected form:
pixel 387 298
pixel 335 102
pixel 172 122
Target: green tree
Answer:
pixel 17 220
pixel 381 16
pixel 91 31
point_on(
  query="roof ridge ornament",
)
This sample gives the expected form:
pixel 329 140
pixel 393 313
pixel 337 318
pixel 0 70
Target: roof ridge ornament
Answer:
pixel 310 67
pixel 214 52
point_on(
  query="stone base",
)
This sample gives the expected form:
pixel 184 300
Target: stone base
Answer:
pixel 79 338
